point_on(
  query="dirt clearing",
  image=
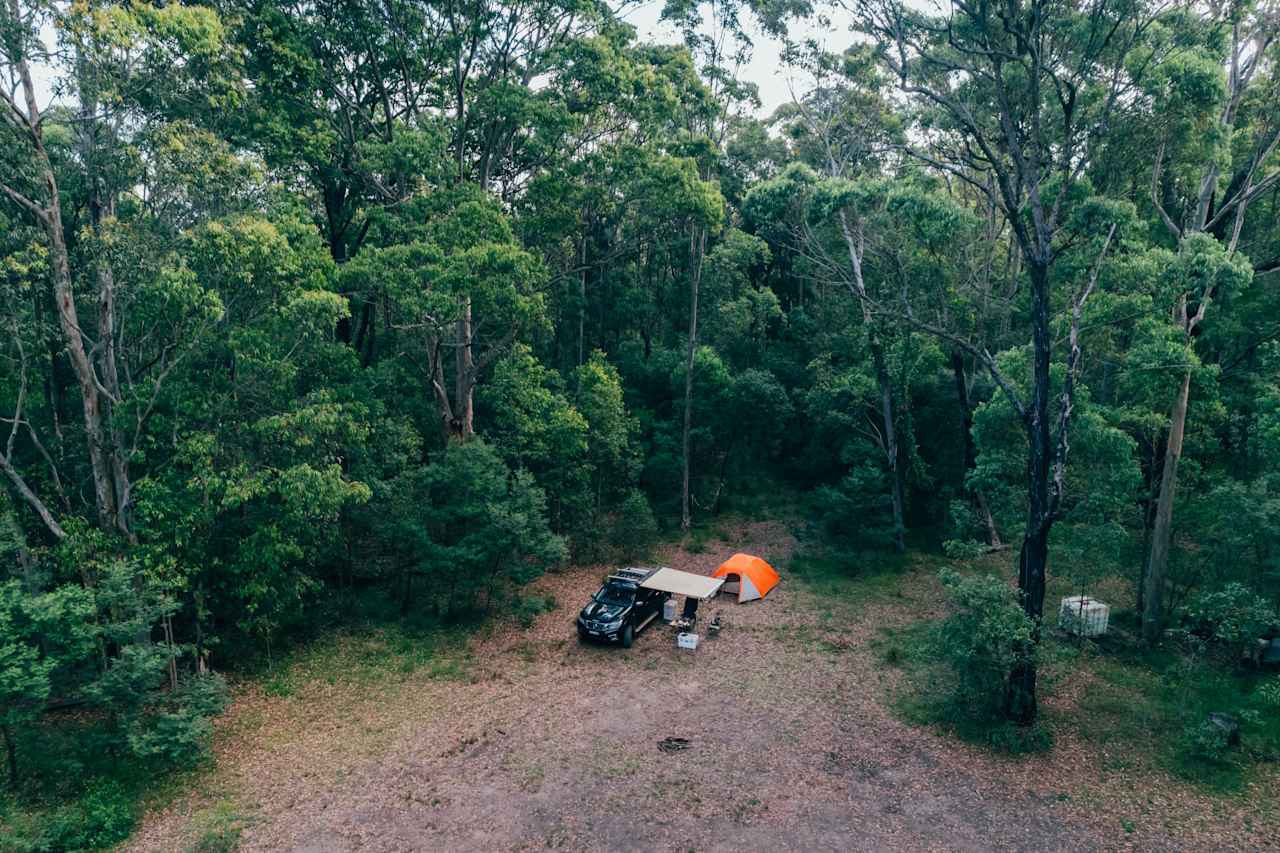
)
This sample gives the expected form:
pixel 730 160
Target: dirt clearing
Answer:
pixel 548 744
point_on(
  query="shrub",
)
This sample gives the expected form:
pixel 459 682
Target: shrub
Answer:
pixel 1234 615
pixel 528 608
pixel 180 738
pixel 982 642
pixel 180 733
pixel 103 816
pixel 635 525
pixel 962 540
pixel 1269 693
pixel 1021 740
pixel 1206 742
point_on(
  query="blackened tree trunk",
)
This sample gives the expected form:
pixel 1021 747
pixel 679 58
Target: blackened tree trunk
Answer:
pixel 1033 561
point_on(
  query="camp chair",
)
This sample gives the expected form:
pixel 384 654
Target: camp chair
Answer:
pixel 714 626
pixel 689 615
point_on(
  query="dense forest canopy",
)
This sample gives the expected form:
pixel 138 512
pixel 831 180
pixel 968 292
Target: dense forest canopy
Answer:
pixel 426 297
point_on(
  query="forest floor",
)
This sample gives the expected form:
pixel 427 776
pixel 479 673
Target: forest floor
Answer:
pixel 521 738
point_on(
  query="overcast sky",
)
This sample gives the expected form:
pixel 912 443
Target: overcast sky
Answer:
pixel 766 68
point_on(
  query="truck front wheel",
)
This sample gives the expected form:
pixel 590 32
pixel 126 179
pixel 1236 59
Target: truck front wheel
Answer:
pixel 628 637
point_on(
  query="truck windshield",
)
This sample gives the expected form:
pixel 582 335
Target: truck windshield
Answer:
pixel 616 595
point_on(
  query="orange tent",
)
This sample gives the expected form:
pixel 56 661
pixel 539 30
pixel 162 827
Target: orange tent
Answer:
pixel 750 577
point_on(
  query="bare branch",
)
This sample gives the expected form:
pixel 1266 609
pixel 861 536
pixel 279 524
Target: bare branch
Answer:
pixel 1067 400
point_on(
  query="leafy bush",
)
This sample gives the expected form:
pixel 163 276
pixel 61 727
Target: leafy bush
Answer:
pixel 528 608
pixel 1206 742
pixel 982 642
pixel 1268 694
pixel 634 526
pixel 103 816
pixel 1234 615
pixel 962 540
pixel 856 511
pixel 179 733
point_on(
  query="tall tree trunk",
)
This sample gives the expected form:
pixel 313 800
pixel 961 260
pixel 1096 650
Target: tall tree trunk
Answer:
pixel 889 429
pixel 91 399
pixel 49 216
pixel 854 239
pixel 697 247
pixel 1020 697
pixel 102 206
pixel 582 298
pixel 1148 522
pixel 1162 529
pixel 978 499
pixel 439 389
pixel 464 397
pixel 1033 561
pixel 11 751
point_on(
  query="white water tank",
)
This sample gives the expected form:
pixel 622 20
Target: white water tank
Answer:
pixel 686 640
pixel 1083 616
pixel 669 610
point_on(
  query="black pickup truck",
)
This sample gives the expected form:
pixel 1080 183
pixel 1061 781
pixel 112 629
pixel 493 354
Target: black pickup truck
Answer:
pixel 621 609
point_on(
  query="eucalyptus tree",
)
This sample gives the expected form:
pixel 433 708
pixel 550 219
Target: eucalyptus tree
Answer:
pixel 1015 100
pixel 119 66
pixel 1212 103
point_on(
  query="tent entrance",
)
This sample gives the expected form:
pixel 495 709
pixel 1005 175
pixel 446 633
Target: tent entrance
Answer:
pixel 741 586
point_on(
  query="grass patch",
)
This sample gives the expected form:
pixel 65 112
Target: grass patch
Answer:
pixel 1155 707
pixel 703 533
pixel 372 656
pixel 218 829
pixel 1146 709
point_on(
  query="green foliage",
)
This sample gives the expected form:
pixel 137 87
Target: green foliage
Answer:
pixel 468 524
pixel 1233 616
pixel 366 321
pixel 528 608
pixel 982 642
pixel 179 733
pixel 535 426
pixel 1162 702
pixel 102 817
pixel 634 526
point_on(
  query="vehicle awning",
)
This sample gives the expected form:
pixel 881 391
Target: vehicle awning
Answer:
pixel 683 583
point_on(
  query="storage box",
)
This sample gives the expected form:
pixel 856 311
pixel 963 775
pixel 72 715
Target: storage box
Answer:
pixel 686 640
pixel 1083 616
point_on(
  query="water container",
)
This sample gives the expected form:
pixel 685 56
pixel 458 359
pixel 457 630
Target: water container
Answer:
pixel 669 610
pixel 1083 616
pixel 687 641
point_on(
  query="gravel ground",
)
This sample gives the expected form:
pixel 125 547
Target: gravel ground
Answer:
pixel 553 745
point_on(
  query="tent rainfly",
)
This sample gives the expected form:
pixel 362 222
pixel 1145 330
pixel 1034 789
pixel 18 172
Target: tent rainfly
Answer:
pixel 750 577
pixel 683 583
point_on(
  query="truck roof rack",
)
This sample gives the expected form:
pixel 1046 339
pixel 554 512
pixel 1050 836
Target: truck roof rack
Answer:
pixel 631 575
